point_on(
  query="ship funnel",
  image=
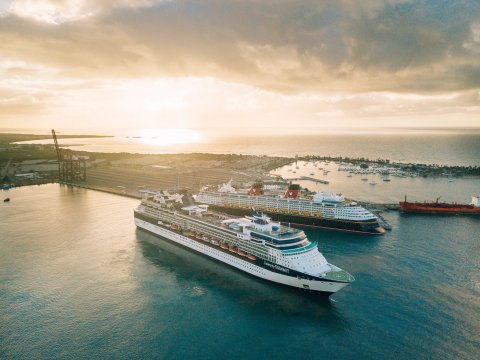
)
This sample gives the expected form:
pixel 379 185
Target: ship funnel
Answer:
pixel 257 188
pixel 293 191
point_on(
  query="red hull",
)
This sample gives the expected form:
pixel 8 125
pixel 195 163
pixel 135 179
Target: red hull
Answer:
pixel 440 208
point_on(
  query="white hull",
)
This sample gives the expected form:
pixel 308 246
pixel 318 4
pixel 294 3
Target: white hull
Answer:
pixel 314 285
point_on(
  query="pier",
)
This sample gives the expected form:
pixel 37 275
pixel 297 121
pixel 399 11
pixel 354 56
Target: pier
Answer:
pixel 310 179
pixel 381 220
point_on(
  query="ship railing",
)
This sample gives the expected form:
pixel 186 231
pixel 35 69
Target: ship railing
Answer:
pixel 220 234
pixel 215 231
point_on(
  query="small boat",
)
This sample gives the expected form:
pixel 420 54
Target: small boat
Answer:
pixel 6 200
pixel 386 179
pixel 372 183
pixel 364 179
pixel 451 179
pixel 312 174
pixel 350 175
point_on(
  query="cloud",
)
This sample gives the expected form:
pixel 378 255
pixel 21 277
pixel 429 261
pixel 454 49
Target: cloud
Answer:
pixel 321 60
pixel 20 105
pixel 284 46
pixel 61 11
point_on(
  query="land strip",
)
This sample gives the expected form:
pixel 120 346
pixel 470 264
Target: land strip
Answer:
pixel 6 138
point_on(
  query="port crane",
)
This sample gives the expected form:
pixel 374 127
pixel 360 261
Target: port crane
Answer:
pixel 70 167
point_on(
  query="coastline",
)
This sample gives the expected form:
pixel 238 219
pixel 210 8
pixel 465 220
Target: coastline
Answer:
pixel 126 173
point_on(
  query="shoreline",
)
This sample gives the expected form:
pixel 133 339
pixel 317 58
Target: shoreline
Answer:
pixel 12 141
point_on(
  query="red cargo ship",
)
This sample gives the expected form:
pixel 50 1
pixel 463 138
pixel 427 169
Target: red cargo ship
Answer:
pixel 442 208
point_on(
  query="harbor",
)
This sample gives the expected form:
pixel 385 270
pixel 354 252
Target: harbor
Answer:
pixel 108 275
pixel 129 175
pixel 239 180
pixel 139 272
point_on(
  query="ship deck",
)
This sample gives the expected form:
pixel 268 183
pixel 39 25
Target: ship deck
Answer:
pixel 215 217
pixel 341 275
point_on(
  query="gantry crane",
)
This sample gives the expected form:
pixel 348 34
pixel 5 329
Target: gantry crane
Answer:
pixel 70 167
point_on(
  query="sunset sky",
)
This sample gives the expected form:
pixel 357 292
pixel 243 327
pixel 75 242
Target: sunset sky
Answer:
pixel 232 65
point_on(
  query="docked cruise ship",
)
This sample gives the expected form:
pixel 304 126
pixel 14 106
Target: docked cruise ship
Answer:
pixel 255 245
pixel 324 210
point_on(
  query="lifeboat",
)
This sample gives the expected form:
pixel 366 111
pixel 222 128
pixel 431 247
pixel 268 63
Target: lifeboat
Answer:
pixel 205 238
pixel 215 242
pixel 242 253
pixel 251 256
pixel 224 245
pixel 232 249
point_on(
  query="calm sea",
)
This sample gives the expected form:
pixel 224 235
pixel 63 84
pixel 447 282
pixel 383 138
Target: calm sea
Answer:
pixel 418 188
pixel 451 148
pixel 77 280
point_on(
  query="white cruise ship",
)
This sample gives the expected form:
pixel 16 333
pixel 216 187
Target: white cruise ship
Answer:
pixel 255 245
pixel 324 210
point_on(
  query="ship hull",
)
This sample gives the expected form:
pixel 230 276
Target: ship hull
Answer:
pixel 253 268
pixel 362 227
pixel 426 208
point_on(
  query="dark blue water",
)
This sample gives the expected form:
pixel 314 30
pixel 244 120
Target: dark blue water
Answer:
pixel 77 280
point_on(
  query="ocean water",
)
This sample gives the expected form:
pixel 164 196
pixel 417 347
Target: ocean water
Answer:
pixel 78 280
pixel 450 148
pixel 418 188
